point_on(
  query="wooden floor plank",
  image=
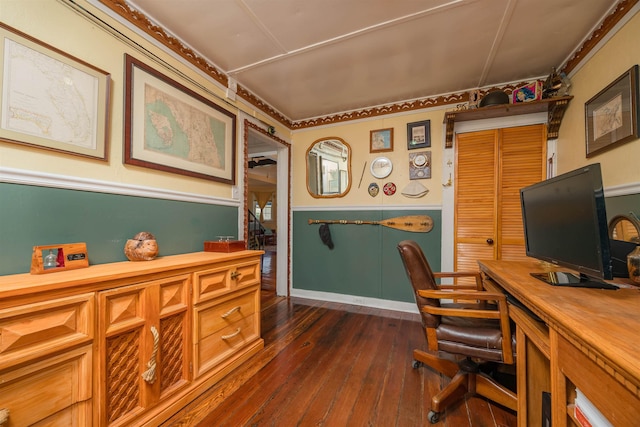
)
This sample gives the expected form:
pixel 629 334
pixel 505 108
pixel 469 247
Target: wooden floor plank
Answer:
pixel 327 364
pixel 262 387
pixel 293 395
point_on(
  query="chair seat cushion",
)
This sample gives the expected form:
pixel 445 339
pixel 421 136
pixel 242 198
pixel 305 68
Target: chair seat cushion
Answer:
pixel 472 337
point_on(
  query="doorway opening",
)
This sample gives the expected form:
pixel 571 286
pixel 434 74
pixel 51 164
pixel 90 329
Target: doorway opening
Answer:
pixel 266 200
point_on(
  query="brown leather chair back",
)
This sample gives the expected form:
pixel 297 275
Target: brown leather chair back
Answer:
pixel 421 278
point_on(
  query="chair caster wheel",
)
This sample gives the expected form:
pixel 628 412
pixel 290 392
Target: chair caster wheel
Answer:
pixel 433 417
pixel 416 364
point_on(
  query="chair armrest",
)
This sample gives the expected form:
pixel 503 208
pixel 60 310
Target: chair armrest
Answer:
pixel 459 274
pixel 478 313
pixel 466 294
pixel 456 274
pixel 461 312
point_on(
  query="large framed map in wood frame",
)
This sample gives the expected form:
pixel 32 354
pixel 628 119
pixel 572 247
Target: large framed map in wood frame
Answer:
pixel 171 128
pixel 50 99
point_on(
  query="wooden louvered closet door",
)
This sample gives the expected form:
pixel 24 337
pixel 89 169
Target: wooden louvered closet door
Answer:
pixel 491 167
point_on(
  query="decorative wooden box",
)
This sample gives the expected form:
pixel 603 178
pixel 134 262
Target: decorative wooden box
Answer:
pixel 224 246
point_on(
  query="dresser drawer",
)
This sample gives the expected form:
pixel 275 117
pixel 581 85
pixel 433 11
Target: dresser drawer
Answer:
pixel 34 330
pixel 53 392
pixel 224 328
pixel 209 284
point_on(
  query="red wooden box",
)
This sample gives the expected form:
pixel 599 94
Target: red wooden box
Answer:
pixel 224 246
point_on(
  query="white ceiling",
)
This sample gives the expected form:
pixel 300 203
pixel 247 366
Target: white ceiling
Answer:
pixel 311 58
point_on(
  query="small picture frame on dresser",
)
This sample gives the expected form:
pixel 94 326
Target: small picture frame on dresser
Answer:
pixel 54 258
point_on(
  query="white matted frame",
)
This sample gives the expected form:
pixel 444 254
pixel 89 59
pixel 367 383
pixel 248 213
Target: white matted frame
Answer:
pixel 171 128
pixel 50 99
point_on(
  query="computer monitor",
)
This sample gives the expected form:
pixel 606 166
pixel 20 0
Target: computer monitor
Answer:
pixel 565 223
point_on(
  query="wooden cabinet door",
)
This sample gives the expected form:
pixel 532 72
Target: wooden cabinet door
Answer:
pixel 144 341
pixel 522 162
pixel 475 198
pixel 491 167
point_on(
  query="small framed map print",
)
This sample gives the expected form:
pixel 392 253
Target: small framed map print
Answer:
pixel 50 99
pixel 611 116
pixel 171 128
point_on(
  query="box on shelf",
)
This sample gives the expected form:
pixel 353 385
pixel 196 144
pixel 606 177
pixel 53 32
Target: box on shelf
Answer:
pixel 527 93
pixel 224 246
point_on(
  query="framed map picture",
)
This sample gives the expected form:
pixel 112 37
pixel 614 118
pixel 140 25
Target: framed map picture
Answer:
pixel 381 140
pixel 50 99
pixel 612 116
pixel 171 128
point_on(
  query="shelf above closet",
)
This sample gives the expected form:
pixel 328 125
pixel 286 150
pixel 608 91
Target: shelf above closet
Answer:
pixel 555 108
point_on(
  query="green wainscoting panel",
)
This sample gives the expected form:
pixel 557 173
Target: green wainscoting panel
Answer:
pixel 365 261
pixel 622 205
pixel 31 215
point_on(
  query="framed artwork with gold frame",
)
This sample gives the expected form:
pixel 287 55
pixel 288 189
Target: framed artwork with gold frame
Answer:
pixel 381 140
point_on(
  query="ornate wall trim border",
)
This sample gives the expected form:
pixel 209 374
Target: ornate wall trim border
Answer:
pixel 607 25
pixel 141 21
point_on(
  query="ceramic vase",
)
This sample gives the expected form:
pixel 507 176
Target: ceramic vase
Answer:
pixel 633 264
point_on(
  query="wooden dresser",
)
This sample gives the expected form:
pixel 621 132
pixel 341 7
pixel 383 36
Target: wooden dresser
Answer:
pixel 126 343
pixel 568 339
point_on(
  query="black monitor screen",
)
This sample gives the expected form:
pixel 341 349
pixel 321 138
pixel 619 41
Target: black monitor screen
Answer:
pixel 565 222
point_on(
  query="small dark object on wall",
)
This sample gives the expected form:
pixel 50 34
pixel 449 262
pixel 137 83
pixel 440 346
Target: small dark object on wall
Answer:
pixel 497 97
pixel 325 235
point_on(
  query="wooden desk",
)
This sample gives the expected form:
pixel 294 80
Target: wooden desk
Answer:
pixel 588 339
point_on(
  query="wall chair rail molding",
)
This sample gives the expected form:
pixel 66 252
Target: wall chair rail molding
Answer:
pixel 39 179
pixel 622 190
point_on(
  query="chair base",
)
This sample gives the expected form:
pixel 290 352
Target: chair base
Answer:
pixel 466 377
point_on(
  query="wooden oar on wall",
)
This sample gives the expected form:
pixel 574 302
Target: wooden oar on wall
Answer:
pixel 413 223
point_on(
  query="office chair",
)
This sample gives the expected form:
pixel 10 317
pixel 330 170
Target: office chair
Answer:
pixel 471 324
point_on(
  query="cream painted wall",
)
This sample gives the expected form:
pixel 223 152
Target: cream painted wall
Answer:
pixel 357 136
pixel 58 25
pixel 619 165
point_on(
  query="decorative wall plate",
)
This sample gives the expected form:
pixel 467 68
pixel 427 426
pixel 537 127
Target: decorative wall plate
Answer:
pixel 381 167
pixel 389 189
pixel 373 189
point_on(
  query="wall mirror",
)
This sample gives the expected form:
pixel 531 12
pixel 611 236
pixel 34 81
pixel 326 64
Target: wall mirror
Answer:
pixel 329 168
pixel 625 227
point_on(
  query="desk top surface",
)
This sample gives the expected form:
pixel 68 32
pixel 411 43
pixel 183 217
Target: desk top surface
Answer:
pixel 605 321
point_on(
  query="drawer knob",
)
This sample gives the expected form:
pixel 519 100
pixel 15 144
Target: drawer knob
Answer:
pixel 150 374
pixel 230 312
pixel 235 275
pixel 228 337
pixel 4 416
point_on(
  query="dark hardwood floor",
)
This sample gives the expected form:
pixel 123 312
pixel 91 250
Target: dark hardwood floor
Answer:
pixel 328 364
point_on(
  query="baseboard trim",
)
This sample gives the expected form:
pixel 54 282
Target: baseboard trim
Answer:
pixel 408 307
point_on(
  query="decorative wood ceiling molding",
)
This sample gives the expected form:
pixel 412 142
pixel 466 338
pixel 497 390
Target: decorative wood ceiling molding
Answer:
pixel 457 99
pixel 141 21
pixel 607 25
pixel 382 110
pixel 263 106
pixel 158 33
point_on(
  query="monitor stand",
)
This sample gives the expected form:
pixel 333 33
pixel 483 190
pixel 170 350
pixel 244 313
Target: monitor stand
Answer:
pixel 562 278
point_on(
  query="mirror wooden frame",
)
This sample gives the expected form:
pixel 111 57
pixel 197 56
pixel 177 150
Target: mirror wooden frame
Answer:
pixel 613 223
pixel 348 161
